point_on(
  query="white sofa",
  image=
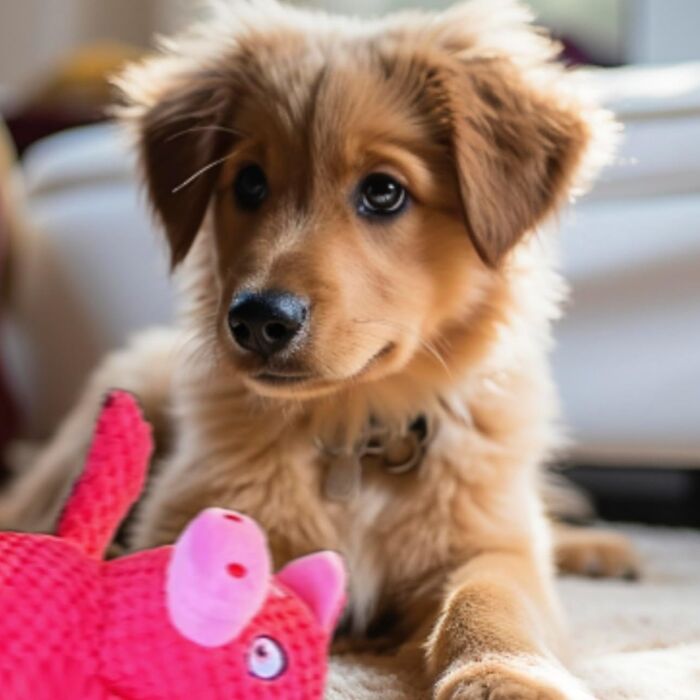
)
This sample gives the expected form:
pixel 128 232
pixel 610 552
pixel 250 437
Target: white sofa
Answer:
pixel 90 270
pixel 628 356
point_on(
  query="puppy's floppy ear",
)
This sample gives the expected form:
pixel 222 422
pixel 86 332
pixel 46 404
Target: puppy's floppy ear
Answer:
pixel 183 134
pixel 183 139
pixel 516 149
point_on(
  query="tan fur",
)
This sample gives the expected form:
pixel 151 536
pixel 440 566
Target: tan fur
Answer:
pixel 596 553
pixel 445 310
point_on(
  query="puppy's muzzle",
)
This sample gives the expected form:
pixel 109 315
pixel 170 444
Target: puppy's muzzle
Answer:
pixel 267 322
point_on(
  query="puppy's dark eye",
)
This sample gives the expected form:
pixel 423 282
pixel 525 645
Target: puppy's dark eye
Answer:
pixel 381 195
pixel 250 187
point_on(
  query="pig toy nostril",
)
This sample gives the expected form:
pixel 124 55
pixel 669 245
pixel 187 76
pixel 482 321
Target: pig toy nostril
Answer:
pixel 236 570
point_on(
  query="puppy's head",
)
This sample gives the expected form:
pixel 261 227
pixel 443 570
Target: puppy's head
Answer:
pixel 363 183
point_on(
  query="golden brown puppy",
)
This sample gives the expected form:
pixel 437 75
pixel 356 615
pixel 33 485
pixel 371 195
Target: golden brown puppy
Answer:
pixel 365 325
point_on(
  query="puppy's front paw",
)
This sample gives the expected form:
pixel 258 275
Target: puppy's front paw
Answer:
pixel 499 687
pixel 510 680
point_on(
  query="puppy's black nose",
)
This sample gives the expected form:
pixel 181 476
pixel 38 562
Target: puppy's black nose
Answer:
pixel 266 322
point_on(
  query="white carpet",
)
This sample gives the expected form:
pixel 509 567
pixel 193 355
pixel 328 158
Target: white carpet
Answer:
pixel 632 641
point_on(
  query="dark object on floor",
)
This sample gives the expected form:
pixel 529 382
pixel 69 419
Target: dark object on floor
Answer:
pixel 656 496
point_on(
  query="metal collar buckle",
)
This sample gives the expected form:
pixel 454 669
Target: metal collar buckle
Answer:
pixel 398 453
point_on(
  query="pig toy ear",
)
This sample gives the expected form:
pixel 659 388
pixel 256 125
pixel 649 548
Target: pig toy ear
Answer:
pixel 218 577
pixel 320 581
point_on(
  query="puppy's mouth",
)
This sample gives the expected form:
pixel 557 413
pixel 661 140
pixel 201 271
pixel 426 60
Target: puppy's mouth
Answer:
pixel 280 380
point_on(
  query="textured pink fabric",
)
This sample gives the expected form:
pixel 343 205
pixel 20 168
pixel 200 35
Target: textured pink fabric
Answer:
pixel 113 476
pixel 73 627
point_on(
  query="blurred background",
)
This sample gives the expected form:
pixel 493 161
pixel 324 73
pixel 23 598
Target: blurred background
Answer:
pixel 78 254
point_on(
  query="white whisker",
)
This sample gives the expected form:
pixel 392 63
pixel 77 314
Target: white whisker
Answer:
pixel 204 127
pixel 201 171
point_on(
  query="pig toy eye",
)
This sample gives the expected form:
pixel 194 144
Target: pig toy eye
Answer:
pixel 266 659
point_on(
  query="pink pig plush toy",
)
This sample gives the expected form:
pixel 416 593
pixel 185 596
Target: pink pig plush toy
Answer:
pixel 203 619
